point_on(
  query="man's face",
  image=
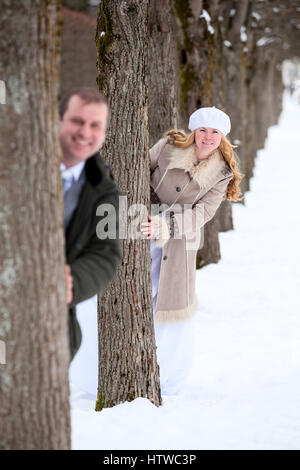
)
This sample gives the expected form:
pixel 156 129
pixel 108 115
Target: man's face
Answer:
pixel 82 130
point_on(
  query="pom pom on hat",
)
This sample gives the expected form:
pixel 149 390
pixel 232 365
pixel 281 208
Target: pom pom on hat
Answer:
pixel 210 117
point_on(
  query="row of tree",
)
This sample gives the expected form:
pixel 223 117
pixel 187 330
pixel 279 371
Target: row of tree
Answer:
pixel 157 62
pixel 187 54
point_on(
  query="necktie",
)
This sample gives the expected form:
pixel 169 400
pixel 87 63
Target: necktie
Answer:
pixel 68 180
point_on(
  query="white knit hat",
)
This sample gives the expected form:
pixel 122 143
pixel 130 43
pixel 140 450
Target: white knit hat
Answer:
pixel 210 117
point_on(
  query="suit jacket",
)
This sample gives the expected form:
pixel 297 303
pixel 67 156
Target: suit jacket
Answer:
pixel 93 261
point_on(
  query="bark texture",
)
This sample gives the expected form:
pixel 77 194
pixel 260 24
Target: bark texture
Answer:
pixel 162 70
pixel 34 388
pixel 127 352
pixel 78 58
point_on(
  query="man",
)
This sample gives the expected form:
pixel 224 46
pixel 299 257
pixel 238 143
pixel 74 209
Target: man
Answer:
pixel 87 183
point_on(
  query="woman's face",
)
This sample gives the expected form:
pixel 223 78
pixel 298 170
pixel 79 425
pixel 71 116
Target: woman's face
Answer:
pixel 207 140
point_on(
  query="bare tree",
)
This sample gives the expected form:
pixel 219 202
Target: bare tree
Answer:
pixel 127 351
pixel 34 389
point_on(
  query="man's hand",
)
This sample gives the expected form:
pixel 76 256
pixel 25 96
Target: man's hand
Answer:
pixel 69 284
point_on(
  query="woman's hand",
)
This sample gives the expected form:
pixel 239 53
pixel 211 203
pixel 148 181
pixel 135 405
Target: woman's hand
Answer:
pixel 147 228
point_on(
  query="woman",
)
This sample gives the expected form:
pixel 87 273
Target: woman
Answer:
pixel 190 176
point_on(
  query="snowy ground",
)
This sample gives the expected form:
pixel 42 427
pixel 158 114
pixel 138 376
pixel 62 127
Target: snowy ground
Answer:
pixel 243 392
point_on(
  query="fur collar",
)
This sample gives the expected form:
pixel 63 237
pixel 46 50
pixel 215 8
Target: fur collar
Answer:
pixel 203 172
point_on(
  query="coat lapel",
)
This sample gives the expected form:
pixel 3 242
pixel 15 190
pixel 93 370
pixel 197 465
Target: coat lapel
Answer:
pixel 83 213
pixel 88 196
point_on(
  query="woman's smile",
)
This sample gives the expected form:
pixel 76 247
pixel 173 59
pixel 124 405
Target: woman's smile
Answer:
pixel 207 140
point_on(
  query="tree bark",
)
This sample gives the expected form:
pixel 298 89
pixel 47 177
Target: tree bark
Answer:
pixel 34 387
pixel 127 351
pixel 78 58
pixel 162 70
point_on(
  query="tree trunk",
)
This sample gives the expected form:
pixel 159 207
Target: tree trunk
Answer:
pixel 127 351
pixel 78 58
pixel 34 387
pixel 163 70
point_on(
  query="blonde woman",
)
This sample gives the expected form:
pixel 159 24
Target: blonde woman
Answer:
pixel 190 176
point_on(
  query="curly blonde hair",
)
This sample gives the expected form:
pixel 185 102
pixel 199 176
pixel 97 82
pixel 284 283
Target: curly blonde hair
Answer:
pixel 233 192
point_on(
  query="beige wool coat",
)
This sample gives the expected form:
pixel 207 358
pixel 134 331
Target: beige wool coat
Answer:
pixel 192 191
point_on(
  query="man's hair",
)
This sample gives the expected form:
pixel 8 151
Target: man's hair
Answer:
pixel 86 94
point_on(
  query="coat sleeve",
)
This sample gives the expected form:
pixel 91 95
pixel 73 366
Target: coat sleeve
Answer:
pixel 155 152
pixel 98 262
pixel 190 220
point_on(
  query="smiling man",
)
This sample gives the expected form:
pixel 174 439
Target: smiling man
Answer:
pixel 82 126
pixel 87 183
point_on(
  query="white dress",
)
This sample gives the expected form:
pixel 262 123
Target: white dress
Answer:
pixel 174 341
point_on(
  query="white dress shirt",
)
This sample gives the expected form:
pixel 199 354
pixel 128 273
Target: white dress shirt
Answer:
pixel 70 175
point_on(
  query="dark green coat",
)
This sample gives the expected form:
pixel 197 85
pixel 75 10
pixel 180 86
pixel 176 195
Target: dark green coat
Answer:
pixel 93 261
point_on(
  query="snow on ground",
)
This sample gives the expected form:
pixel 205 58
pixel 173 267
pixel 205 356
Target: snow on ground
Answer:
pixel 243 391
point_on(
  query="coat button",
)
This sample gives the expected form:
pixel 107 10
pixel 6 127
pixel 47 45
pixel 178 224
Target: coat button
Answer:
pixel 178 189
pixel 165 257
